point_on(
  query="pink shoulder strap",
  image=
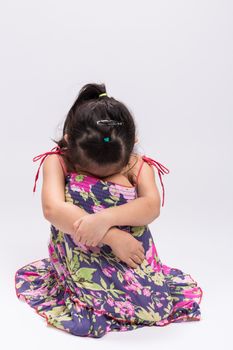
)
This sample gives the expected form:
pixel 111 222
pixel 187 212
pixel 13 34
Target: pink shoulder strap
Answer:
pixel 42 157
pixel 161 170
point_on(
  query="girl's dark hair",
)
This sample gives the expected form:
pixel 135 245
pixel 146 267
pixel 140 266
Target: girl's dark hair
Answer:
pixel 85 137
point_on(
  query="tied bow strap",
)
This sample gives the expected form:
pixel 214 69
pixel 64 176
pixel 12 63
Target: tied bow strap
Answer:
pixel 43 156
pixel 161 170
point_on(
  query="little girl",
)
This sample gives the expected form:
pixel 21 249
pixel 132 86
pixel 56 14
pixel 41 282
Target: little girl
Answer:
pixel 103 272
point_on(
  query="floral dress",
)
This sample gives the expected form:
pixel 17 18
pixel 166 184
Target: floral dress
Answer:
pixel 88 291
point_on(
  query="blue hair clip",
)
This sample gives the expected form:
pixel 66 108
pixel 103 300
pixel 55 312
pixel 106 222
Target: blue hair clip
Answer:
pixel 106 139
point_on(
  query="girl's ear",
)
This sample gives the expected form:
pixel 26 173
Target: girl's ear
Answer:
pixel 66 137
pixel 136 140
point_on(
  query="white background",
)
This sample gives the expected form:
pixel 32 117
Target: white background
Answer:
pixel 170 62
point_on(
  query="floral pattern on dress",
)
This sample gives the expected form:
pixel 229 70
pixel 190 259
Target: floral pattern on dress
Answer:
pixel 88 291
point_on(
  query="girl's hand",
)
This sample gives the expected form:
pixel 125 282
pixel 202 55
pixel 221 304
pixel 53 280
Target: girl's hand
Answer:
pixel 90 229
pixel 126 247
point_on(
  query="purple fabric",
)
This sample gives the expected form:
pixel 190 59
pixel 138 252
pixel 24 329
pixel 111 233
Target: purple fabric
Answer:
pixel 88 291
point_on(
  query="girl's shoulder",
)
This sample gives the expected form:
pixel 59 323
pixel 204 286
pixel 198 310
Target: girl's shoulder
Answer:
pixel 49 156
pixel 139 158
pixel 63 164
pixel 58 157
pixel 135 164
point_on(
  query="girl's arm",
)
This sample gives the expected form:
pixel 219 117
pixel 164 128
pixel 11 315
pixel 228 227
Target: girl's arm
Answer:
pixel 142 210
pixel 59 213
pixel 62 214
pixel 55 209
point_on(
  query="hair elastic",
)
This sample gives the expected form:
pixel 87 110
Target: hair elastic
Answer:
pixel 103 94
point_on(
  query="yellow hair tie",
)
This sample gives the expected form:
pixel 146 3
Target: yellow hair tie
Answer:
pixel 103 94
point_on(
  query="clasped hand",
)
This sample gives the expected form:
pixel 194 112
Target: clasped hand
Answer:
pixel 91 228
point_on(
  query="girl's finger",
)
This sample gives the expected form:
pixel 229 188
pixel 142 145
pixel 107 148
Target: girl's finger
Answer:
pixel 78 238
pixel 132 263
pixel 76 225
pixel 136 258
pixel 84 241
pixel 141 255
pixel 141 248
